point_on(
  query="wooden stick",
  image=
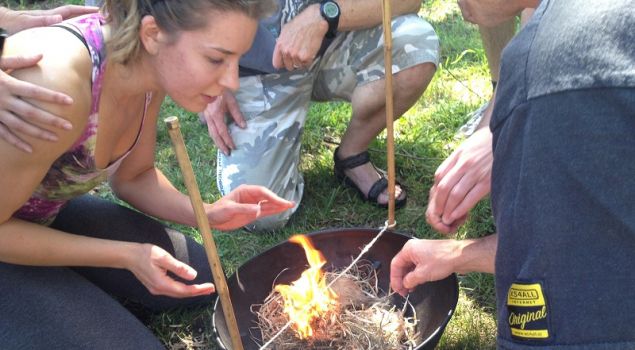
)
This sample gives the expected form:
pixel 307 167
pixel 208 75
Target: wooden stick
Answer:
pixel 387 21
pixel 203 225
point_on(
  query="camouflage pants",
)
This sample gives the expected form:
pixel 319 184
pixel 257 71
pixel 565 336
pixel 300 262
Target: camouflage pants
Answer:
pixel 275 106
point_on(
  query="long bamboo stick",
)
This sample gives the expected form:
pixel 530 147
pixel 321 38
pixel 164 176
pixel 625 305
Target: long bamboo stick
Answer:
pixel 203 225
pixel 390 157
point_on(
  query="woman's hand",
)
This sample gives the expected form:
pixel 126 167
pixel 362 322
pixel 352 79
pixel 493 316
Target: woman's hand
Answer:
pixel 243 205
pixel 19 116
pixel 15 21
pixel 151 267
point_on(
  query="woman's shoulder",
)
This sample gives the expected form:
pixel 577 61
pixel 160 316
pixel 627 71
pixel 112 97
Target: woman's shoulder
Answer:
pixel 65 67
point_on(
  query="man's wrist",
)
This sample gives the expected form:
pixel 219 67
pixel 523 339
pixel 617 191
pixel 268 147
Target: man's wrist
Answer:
pixel 330 11
pixel 316 17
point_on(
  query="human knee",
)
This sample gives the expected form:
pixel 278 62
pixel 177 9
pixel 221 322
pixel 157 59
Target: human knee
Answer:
pixel 411 33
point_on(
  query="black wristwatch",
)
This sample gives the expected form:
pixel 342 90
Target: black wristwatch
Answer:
pixel 3 35
pixel 330 11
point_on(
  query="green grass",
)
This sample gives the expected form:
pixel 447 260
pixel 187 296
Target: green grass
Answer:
pixel 424 137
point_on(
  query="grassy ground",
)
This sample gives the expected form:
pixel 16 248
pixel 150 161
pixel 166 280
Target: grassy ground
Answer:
pixel 424 137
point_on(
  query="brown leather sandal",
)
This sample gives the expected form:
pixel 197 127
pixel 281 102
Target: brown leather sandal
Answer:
pixel 340 165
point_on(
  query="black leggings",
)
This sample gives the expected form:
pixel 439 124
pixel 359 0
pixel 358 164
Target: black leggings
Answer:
pixel 74 308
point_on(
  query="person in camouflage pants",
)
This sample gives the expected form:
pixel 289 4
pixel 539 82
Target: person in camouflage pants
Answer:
pixel 261 144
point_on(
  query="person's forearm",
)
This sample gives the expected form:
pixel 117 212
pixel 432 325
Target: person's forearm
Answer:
pixel 152 193
pixel 477 255
pixel 361 14
pixel 26 243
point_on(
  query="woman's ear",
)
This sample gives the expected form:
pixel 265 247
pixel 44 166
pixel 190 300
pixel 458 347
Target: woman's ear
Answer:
pixel 150 34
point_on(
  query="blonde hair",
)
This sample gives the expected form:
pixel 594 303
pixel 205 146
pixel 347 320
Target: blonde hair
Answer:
pixel 172 16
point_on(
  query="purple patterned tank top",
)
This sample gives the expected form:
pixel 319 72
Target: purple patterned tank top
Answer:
pixel 75 173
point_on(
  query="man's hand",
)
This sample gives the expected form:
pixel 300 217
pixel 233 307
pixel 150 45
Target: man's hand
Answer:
pixel 300 40
pixel 490 13
pixel 214 116
pixel 460 182
pixel 15 21
pixel 17 115
pixel 420 261
pixel 243 205
pixel 423 260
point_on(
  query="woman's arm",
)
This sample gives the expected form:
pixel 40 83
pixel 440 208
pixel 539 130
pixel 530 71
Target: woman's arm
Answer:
pixel 145 187
pixel 59 70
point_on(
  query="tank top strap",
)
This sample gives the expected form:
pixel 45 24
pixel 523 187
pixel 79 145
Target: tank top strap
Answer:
pixel 90 28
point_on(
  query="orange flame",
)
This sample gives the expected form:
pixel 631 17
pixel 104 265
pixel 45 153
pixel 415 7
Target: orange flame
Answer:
pixel 309 297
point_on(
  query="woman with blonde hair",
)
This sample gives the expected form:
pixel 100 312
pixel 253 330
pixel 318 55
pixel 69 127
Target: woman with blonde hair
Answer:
pixel 66 257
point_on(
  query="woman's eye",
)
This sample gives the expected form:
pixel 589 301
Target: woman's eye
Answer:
pixel 216 61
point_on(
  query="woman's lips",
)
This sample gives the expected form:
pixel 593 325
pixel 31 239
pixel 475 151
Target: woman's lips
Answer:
pixel 209 99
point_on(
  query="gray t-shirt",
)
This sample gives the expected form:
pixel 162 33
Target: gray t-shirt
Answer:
pixel 563 179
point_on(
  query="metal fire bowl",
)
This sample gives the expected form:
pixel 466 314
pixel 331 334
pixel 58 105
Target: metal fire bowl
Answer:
pixel 433 302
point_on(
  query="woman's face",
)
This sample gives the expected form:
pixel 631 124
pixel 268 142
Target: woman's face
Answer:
pixel 201 64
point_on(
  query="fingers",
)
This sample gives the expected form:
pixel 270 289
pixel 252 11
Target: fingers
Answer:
pixel 261 196
pixel 70 11
pixel 274 206
pixel 219 132
pixel 446 166
pixel 455 194
pixel 34 19
pixel 443 183
pixel 290 59
pixel 234 110
pixel 16 124
pixel 174 289
pixel 415 277
pixel 12 139
pixel 170 287
pixel 475 194
pixel 217 127
pixel 277 58
pixel 400 266
pixel 27 112
pixel 435 221
pixel 17 62
pixel 27 90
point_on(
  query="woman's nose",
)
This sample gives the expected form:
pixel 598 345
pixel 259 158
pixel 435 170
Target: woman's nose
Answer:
pixel 230 79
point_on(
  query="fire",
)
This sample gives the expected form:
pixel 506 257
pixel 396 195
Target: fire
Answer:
pixel 309 297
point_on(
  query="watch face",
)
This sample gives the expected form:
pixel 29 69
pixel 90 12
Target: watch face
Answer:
pixel 331 10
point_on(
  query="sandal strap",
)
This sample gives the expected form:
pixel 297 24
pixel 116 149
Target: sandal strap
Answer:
pixel 350 162
pixel 377 188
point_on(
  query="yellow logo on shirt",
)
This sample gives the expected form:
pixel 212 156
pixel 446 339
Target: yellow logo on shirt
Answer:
pixel 527 311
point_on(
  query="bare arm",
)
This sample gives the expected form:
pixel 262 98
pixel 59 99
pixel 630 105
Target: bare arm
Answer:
pixel 421 260
pixel 26 243
pixel 141 184
pixel 300 39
